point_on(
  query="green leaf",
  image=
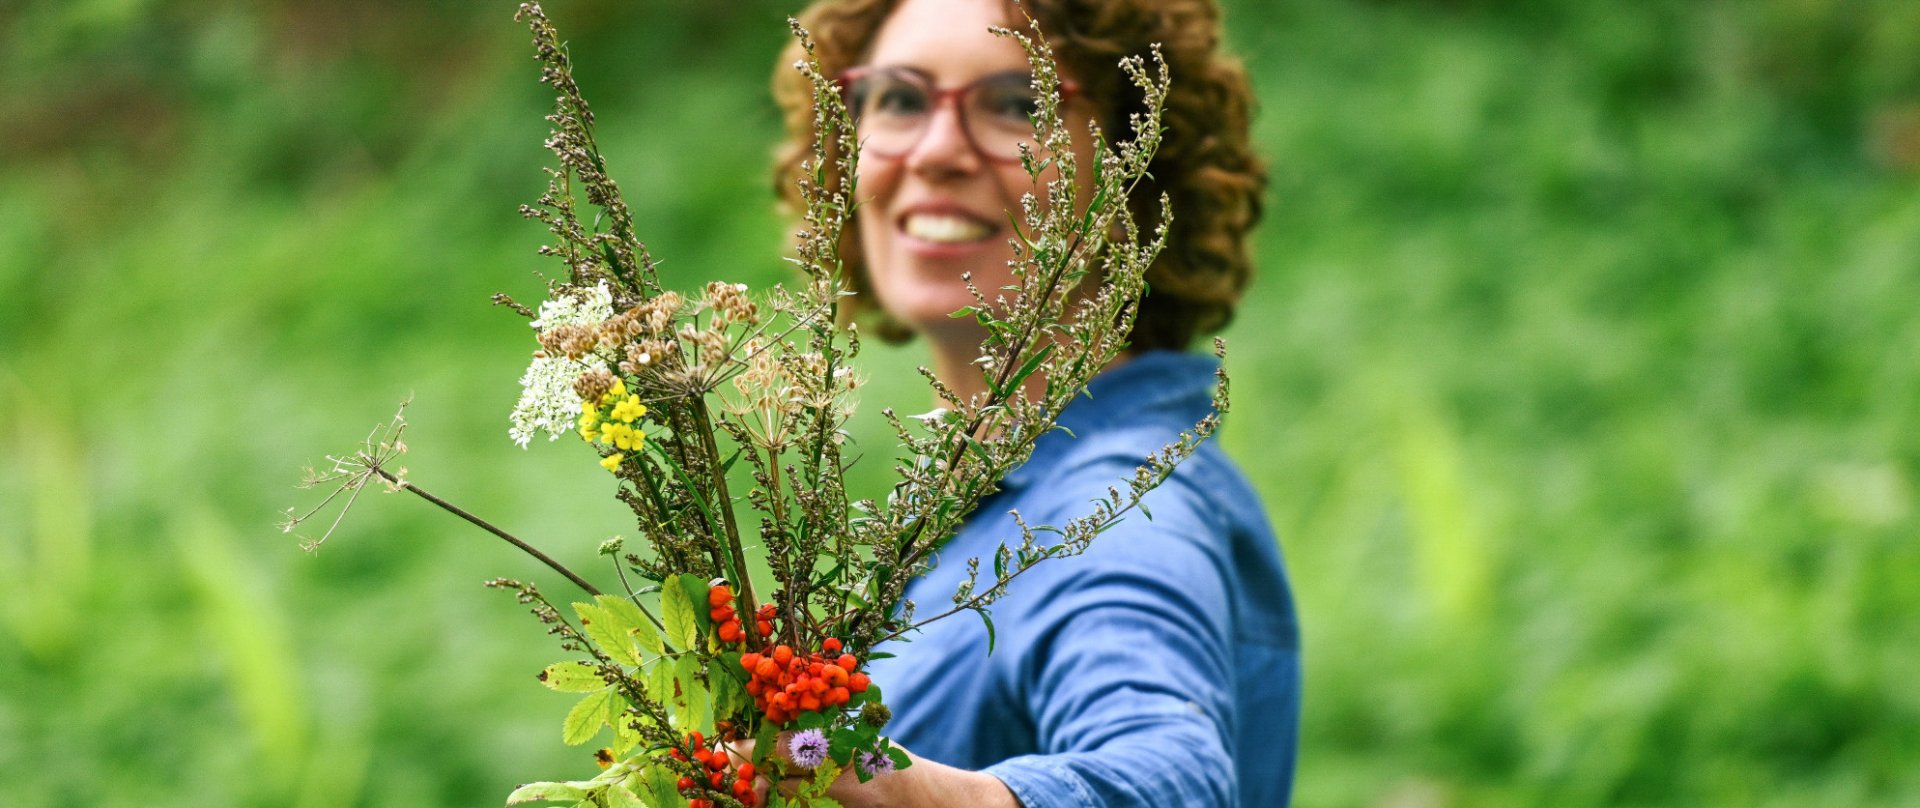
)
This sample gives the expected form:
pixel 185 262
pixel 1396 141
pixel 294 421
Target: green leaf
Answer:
pixel 696 705
pixel 546 792
pixel 987 619
pixel 664 785
pixel 677 612
pixel 587 717
pixel 763 742
pixel 729 695
pixel 617 796
pixel 573 677
pixel 659 678
pixel 696 590
pixel 625 737
pixel 1032 365
pixel 606 633
pixel 632 621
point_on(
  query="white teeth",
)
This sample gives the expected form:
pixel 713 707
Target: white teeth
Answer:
pixel 936 227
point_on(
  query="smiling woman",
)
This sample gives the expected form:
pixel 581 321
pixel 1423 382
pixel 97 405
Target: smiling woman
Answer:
pixel 1161 668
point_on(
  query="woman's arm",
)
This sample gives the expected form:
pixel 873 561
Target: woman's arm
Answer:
pixel 925 784
pixel 1129 683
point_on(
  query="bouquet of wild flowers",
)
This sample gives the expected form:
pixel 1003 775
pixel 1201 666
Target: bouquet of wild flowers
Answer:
pixel 673 392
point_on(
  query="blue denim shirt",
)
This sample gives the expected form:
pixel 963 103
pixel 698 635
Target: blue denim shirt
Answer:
pixel 1161 668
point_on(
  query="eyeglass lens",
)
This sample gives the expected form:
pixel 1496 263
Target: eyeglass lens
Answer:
pixel 892 109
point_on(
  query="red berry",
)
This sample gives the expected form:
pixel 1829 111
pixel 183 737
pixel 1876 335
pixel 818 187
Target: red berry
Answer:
pixel 685 783
pixel 857 683
pixel 746 772
pixel 847 661
pixel 782 654
pixel 831 646
pixel 719 595
pixel 750 660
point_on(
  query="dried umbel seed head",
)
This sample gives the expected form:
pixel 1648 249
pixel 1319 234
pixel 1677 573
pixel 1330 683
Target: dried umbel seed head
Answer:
pixel 622 328
pixel 572 341
pixel 638 359
pixel 656 315
pixel 730 304
pixel 593 384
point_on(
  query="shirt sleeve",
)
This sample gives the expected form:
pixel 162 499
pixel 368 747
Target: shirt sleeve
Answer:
pixel 1130 680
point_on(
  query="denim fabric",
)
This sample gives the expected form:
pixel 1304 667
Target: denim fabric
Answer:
pixel 1161 668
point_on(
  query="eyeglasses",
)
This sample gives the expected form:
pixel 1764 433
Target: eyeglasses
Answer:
pixel 893 107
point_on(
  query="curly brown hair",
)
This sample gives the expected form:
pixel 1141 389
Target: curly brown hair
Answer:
pixel 1205 164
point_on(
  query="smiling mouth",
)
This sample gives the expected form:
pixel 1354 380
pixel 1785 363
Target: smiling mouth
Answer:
pixel 942 228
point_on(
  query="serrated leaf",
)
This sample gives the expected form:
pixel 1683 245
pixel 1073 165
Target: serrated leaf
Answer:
pixel 659 679
pixel 572 677
pixel 763 743
pixel 696 590
pixel 587 717
pixel 676 611
pixel 664 785
pixel 546 792
pixel 604 629
pixel 695 706
pixel 618 796
pixel 632 621
pixel 625 737
pixel 729 695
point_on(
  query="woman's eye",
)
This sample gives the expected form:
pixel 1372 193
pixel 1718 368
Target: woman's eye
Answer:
pixel 1015 105
pixel 899 99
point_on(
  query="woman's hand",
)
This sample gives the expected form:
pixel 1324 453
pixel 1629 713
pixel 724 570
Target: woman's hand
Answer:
pixel 924 784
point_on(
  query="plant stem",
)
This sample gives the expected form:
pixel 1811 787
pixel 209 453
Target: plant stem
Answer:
pixel 735 552
pixel 488 527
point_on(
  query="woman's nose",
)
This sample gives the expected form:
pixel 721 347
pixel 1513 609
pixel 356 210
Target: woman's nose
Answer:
pixel 944 148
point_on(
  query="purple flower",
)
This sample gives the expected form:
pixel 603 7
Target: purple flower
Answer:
pixel 874 763
pixel 808 748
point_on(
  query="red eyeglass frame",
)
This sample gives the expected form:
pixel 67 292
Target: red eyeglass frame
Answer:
pixel 1068 90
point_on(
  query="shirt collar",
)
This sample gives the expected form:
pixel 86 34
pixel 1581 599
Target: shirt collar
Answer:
pixel 1173 388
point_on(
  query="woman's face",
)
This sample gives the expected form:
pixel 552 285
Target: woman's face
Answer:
pixel 938 208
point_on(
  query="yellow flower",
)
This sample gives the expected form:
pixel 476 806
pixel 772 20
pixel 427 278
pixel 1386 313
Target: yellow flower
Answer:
pixel 613 433
pixel 629 409
pixel 617 392
pixel 612 462
pixel 587 431
pixel 589 408
pixel 630 438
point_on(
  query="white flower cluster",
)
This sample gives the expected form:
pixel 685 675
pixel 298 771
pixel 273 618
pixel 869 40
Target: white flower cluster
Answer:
pixel 547 401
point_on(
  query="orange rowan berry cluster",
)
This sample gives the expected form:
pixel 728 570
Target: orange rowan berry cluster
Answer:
pixel 718 764
pixel 727 621
pixel 785 684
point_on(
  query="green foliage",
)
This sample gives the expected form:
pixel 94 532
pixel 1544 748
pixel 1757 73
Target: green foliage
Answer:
pixel 588 716
pixel 1577 379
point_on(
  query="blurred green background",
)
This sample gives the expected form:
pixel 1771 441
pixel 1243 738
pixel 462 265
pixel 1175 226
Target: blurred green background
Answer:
pixel 1579 378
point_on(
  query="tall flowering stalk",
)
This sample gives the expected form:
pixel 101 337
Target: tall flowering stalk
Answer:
pixel 674 391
